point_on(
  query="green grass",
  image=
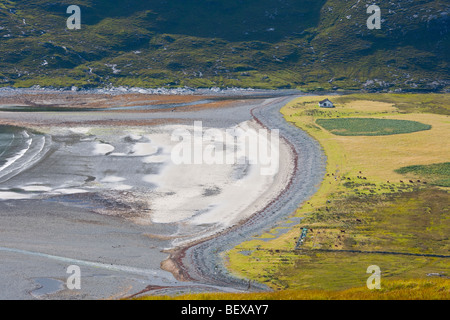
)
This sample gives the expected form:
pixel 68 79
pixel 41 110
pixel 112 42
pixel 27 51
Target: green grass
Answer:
pixel 297 44
pixel 378 209
pixel 406 102
pixel 370 126
pixel 438 174
pixel 415 222
pixel 417 289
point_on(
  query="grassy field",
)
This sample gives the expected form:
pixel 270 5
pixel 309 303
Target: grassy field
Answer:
pixel 438 173
pixel 365 212
pixel 433 289
pixel 249 44
pixel 402 103
pixel 370 126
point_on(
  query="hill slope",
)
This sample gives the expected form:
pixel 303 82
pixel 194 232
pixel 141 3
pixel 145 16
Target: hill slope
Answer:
pixel 310 44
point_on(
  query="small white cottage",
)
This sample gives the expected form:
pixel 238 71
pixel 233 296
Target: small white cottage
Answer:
pixel 326 104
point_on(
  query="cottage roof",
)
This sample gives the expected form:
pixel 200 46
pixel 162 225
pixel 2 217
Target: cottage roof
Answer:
pixel 323 101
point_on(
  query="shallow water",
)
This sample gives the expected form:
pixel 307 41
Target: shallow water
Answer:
pixel 14 142
pixel 19 150
pixel 47 286
pixel 70 215
pixel 16 108
pixel 6 140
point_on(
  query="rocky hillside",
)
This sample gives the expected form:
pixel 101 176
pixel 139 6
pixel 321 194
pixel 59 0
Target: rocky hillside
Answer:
pixel 304 44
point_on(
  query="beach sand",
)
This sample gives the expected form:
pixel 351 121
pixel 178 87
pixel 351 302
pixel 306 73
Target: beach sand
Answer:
pixel 134 165
pixel 106 189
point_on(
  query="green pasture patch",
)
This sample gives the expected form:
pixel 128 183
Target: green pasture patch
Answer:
pixel 370 126
pixel 438 173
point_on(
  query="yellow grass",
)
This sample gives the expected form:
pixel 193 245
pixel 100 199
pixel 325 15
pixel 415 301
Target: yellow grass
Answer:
pixel 341 276
pixel 433 289
pixel 369 106
pixel 376 157
pixel 379 156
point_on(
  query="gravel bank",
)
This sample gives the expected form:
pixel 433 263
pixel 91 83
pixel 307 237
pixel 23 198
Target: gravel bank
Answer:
pixel 54 228
pixel 203 262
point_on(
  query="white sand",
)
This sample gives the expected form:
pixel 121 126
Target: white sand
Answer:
pixel 119 154
pixel 201 198
pixel 36 188
pixel 80 130
pixel 102 149
pixel 112 179
pixel 144 149
pixel 69 191
pixel 211 195
pixel 134 137
pixel 13 196
pixel 121 187
pixel 112 182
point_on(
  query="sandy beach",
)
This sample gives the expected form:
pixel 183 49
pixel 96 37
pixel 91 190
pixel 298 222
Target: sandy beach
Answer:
pixel 100 189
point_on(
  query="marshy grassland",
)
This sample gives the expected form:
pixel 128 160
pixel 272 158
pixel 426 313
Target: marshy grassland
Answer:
pixel 369 209
pixel 431 289
pixel 438 173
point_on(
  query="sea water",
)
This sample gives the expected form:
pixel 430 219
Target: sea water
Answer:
pixel 18 149
pixel 13 142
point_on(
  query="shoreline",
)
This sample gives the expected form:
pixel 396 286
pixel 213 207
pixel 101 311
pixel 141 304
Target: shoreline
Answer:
pixel 202 278
pixel 181 262
pixel 366 206
pixel 174 263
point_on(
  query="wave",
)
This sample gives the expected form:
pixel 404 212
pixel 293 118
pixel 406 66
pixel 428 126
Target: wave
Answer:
pixel 19 155
pixel 22 149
